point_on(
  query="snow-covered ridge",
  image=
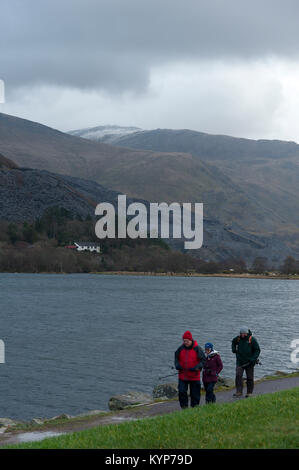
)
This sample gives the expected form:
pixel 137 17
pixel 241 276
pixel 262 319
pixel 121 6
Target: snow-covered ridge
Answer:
pixel 104 133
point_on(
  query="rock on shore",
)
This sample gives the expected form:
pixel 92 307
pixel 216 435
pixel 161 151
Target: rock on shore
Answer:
pixel 120 402
pixel 168 391
pixel 224 382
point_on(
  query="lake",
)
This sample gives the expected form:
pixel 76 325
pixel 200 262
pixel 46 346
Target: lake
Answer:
pixel 73 341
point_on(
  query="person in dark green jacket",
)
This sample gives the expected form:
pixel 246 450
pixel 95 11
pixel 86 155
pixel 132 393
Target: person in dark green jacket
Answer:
pixel 247 351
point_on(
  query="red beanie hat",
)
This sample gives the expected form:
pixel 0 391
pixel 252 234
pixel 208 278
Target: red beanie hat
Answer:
pixel 187 335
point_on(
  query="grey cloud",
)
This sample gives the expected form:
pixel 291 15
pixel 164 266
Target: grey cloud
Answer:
pixel 113 44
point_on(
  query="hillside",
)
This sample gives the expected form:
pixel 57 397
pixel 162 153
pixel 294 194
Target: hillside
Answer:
pixel 6 164
pixel 237 211
pixel 266 170
pixel 154 176
pixel 26 193
pixel 208 146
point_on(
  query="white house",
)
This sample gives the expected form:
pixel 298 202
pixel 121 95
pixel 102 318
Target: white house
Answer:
pixel 88 246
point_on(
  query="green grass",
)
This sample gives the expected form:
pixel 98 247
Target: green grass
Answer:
pixel 266 421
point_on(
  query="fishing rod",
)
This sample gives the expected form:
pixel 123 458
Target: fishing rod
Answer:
pixel 248 363
pixel 170 375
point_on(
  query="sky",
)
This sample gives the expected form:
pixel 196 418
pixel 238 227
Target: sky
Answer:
pixel 217 66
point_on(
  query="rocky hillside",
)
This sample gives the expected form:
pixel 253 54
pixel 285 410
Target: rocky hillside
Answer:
pixel 26 193
pixel 255 199
pixel 6 164
pixel 154 176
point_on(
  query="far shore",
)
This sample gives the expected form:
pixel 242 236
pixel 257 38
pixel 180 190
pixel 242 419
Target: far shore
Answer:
pixel 191 274
pixel 174 274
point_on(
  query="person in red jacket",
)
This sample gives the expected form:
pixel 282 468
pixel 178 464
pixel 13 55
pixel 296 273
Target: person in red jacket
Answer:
pixel 212 369
pixel 189 360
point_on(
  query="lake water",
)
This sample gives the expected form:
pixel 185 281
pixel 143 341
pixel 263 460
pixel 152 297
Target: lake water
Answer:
pixel 72 341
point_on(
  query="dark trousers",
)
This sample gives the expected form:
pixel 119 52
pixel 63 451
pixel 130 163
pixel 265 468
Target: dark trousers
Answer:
pixel 249 378
pixel 194 392
pixel 210 395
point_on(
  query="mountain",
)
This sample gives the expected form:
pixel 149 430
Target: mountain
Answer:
pixel 26 193
pixel 208 146
pixel 241 212
pixel 266 170
pixel 154 176
pixel 105 134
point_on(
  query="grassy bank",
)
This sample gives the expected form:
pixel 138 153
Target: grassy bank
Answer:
pixel 266 421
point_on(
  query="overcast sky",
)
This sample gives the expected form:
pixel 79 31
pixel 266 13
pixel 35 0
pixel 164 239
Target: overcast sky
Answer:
pixel 217 66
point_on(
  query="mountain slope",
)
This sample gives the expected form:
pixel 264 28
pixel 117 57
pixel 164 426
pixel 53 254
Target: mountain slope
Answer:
pixel 7 164
pixel 267 170
pixel 208 146
pixel 26 193
pixel 154 176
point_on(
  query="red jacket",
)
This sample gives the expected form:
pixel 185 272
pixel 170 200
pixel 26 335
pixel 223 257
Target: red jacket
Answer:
pixel 189 358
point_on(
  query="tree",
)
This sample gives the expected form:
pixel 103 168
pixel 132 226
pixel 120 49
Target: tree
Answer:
pixel 53 218
pixel 29 233
pixel 290 266
pixel 260 265
pixel 39 225
pixel 12 232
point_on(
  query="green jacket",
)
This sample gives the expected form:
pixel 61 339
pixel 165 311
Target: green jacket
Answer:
pixel 246 349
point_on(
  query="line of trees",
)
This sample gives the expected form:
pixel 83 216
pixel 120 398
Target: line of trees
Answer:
pixel 289 266
pixel 41 247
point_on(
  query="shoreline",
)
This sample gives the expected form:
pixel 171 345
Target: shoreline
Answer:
pixel 225 275
pixel 37 423
pixel 287 277
pixel 66 424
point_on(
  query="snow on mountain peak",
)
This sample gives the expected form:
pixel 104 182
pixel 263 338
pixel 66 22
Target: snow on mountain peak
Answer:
pixel 104 133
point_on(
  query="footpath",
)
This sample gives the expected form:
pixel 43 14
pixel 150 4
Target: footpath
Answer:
pixel 136 412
